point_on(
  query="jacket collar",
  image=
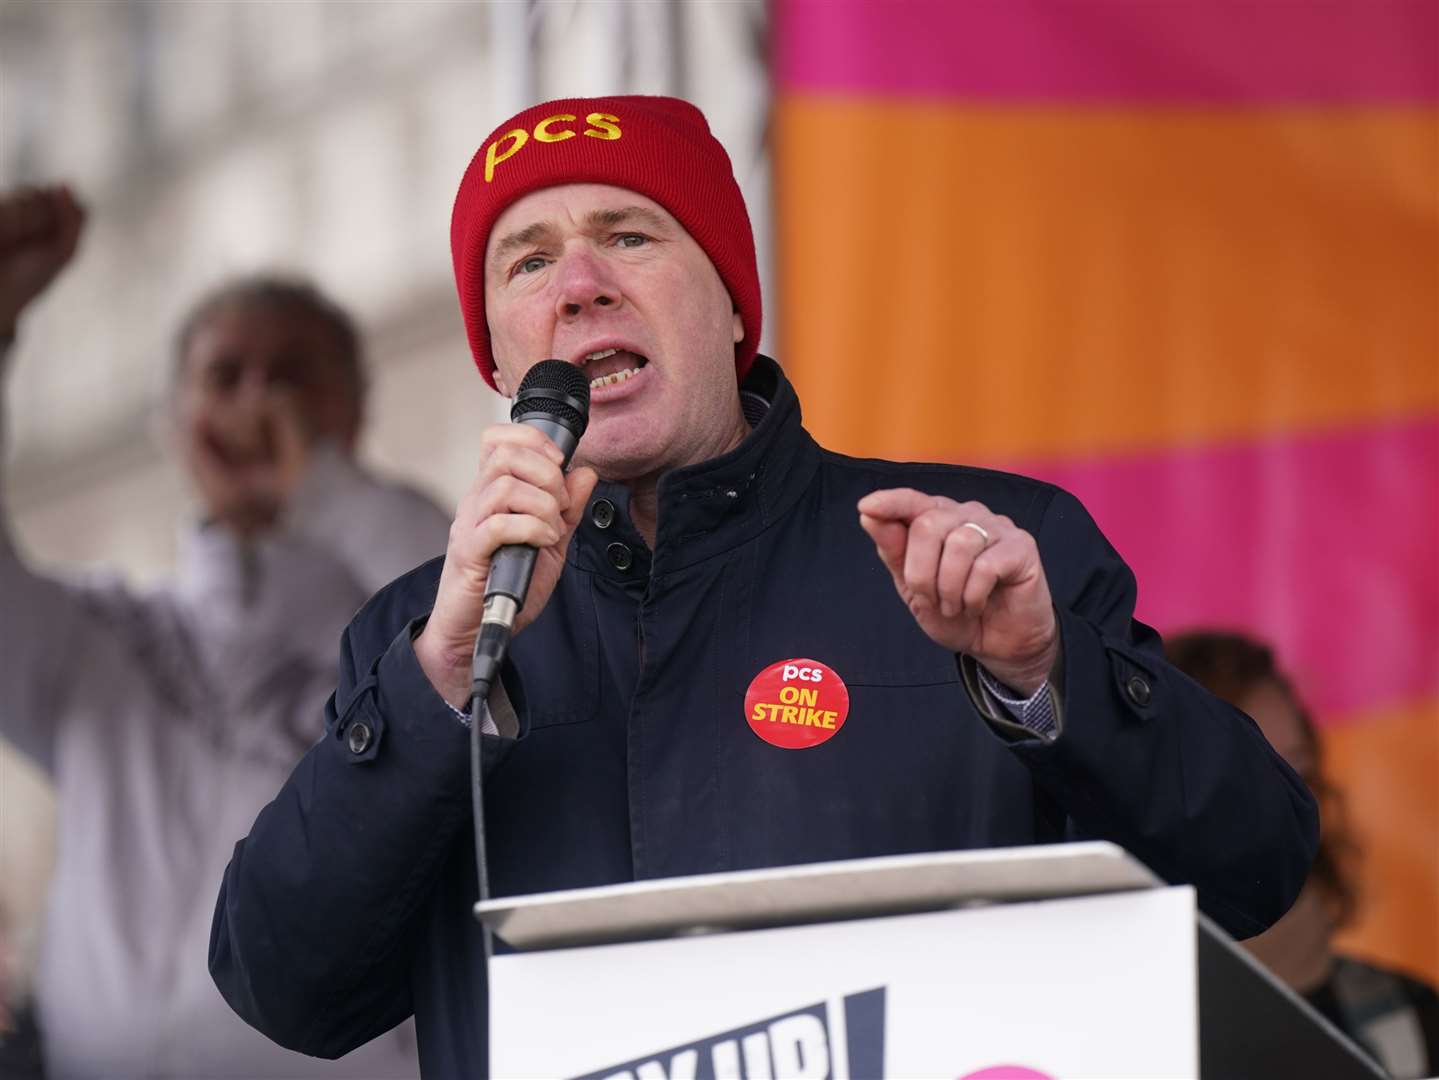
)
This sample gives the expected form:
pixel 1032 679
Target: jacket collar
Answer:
pixel 714 506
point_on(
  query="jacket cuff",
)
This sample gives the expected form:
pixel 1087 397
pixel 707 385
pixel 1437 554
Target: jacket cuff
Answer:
pixel 501 717
pixel 1035 712
pixel 508 714
pixel 1000 718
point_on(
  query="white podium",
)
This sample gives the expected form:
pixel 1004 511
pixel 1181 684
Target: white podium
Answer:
pixel 1034 963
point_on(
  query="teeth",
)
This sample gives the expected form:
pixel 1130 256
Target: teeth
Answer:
pixel 600 355
pixel 618 376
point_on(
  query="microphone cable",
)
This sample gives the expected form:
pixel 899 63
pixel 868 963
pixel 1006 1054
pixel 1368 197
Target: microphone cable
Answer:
pixel 554 397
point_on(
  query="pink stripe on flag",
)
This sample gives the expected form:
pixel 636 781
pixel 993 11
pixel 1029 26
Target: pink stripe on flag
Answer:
pixel 1325 545
pixel 1140 51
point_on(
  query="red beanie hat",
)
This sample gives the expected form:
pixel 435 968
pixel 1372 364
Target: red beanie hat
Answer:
pixel 660 147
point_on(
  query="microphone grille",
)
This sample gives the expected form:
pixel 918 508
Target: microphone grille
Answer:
pixel 556 388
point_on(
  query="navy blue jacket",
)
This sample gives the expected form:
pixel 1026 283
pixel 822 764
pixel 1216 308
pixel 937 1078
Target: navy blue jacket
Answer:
pixel 348 905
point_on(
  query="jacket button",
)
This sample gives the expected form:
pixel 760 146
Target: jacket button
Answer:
pixel 602 513
pixel 621 558
pixel 359 737
pixel 1138 690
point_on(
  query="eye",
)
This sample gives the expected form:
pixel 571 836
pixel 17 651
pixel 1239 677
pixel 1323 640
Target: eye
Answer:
pixel 224 375
pixel 631 240
pixel 531 265
pixel 290 371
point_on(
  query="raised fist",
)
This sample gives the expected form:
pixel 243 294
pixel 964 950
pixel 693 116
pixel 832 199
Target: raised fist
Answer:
pixel 39 232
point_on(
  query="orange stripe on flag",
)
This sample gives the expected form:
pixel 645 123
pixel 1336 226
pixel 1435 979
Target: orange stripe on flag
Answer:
pixel 1387 764
pixel 1006 282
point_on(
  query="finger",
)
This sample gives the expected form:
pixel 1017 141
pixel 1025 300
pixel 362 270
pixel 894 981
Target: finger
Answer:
pixel 984 576
pixel 890 538
pixel 981 515
pixel 961 548
pixel 523 435
pixel 510 496
pixel 896 504
pixel 472 551
pixel 1009 562
pixel 922 554
pixel 580 484
pixel 500 529
pixel 528 464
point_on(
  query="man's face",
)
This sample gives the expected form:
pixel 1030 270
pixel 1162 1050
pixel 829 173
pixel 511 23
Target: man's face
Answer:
pixel 258 384
pixel 243 358
pixel 607 279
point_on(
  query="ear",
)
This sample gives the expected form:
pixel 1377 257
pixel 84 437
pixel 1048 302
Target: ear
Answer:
pixel 500 383
pixel 738 327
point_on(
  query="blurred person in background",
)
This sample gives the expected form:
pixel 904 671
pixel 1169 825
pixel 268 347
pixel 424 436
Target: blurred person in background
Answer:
pixel 1393 1016
pixel 167 718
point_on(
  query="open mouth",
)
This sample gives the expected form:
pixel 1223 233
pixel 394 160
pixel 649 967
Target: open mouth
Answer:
pixel 609 366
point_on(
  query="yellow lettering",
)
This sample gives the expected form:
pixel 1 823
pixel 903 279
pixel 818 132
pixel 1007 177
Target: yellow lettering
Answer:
pixel 809 697
pixel 787 714
pixel 789 694
pixel 829 718
pixel 604 126
pixel 758 713
pixel 544 134
pixel 493 154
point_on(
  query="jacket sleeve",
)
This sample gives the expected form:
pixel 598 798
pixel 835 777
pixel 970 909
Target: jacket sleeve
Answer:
pixel 320 907
pixel 1152 761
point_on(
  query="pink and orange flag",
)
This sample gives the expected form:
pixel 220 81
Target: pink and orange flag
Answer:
pixel 1181 257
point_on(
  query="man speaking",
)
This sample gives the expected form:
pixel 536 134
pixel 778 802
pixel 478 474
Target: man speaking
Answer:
pixel 738 648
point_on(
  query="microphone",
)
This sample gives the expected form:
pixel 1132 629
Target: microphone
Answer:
pixel 555 398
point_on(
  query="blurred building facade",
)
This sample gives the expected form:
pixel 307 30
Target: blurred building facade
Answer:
pixel 320 137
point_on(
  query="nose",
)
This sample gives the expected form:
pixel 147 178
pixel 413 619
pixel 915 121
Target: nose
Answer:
pixel 252 390
pixel 582 284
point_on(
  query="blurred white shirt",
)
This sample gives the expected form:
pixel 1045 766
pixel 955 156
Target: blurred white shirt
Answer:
pixel 167 720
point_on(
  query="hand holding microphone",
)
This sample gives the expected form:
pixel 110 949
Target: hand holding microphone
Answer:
pixel 522 496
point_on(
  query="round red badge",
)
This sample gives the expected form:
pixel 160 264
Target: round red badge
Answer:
pixel 796 704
